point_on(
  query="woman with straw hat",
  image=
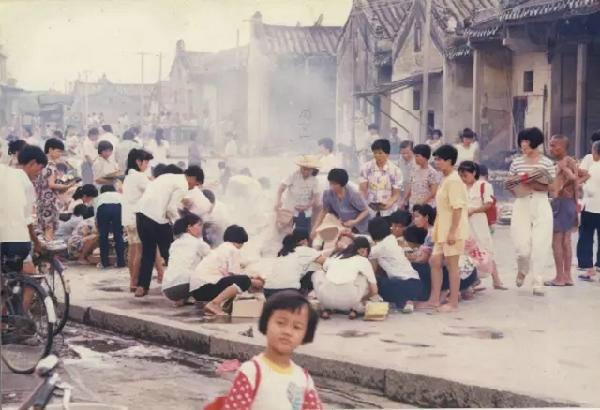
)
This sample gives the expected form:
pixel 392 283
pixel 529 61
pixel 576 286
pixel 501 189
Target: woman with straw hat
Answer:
pixel 302 192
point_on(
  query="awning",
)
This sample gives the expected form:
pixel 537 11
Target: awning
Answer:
pixel 399 85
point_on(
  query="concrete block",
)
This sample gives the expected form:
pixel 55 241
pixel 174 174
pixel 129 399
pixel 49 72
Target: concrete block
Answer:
pixel 426 391
pixel 233 349
pixel 150 331
pixel 344 371
pixel 78 313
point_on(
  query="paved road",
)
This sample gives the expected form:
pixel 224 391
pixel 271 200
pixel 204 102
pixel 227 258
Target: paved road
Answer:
pixel 104 367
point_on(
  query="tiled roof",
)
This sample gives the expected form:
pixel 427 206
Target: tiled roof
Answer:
pixel 384 17
pixel 456 52
pixel 459 10
pixel 298 40
pixel 532 9
pixel 229 59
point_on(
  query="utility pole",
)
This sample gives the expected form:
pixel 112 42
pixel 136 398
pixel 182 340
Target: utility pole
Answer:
pixel 85 99
pixel 142 54
pixel 425 90
pixel 159 81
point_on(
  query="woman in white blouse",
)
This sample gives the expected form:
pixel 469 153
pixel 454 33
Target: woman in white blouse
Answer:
pixel 347 280
pixel 480 200
pixel 134 186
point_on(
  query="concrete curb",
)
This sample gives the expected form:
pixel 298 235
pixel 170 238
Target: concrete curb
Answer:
pixel 413 389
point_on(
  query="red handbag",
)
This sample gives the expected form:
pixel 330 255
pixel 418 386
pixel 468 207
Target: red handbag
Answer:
pixel 492 211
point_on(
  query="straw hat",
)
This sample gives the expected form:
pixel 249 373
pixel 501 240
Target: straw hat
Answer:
pixel 308 161
pixel 283 218
pixel 329 231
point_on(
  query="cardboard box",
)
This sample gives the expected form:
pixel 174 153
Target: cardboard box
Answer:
pixel 247 307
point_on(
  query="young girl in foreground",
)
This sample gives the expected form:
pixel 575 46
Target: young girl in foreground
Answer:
pixel 272 380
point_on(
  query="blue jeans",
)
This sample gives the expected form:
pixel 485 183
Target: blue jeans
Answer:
pixel 590 224
pixel 302 222
pixel 109 220
pixel 399 291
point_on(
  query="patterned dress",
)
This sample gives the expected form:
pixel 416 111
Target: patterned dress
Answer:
pixel 47 198
pixel 75 241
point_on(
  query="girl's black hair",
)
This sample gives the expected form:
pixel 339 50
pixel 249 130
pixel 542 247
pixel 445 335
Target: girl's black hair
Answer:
pixel 292 301
pixel 80 210
pixel 427 211
pixel 14 147
pixel 180 226
pixel 53 143
pixel 415 235
pixel 470 167
pixel 235 234
pixel 291 241
pixel 534 135
pixel 137 155
pixel 105 146
pixel 107 188
pixel 379 228
pixel 85 190
pixel 158 170
pixel 400 217
pixel 351 250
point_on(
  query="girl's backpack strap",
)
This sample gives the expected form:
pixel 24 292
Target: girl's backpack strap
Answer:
pixel 258 377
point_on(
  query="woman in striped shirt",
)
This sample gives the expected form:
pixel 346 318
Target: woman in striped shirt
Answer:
pixel 531 224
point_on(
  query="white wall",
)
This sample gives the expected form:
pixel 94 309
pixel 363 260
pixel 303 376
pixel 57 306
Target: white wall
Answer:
pixel 538 63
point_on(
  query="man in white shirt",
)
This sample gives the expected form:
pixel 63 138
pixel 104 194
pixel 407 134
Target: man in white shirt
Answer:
pixel 590 218
pixel 16 209
pixel 108 219
pixel 158 205
pixel 402 285
pixel 90 153
pixel 107 135
pixel 587 161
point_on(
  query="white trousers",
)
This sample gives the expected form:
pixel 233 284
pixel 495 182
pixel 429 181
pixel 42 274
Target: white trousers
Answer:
pixel 531 231
pixel 343 297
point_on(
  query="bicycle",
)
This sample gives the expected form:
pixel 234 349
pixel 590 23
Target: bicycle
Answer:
pixel 51 277
pixel 28 319
pixel 47 389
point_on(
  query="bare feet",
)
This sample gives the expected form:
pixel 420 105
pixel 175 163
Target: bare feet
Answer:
pixel 214 309
pixel 140 292
pixel 352 315
pixel 447 308
pixel 444 296
pixel 179 303
pixel 520 279
pixel 427 305
pixel 499 286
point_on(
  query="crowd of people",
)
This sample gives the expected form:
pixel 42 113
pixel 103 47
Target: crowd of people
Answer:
pixel 417 233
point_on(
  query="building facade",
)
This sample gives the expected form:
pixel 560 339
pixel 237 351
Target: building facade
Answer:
pixel 536 63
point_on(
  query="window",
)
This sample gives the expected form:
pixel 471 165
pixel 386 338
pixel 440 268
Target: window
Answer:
pixel 417 37
pixel 430 120
pixel 416 100
pixel 528 81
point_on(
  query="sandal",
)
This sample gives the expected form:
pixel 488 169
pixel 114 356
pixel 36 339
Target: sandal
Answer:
pixel 586 277
pixel 352 315
pixel 553 283
pixel 140 292
pixel 325 314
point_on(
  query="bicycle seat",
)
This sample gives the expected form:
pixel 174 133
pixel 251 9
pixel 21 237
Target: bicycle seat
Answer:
pixel 12 264
pixel 46 365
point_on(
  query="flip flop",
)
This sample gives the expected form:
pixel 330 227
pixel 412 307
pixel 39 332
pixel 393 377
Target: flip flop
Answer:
pixel 569 284
pixel 552 283
pixel 586 278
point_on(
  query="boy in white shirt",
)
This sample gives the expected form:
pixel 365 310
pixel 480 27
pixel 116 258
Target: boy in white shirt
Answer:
pixel 105 168
pixel 401 285
pixel 108 219
pixel 185 254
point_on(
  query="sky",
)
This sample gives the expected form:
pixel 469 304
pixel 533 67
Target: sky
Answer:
pixel 52 42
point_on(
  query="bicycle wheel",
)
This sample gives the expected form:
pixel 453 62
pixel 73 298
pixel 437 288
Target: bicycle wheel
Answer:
pixel 27 333
pixel 57 288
